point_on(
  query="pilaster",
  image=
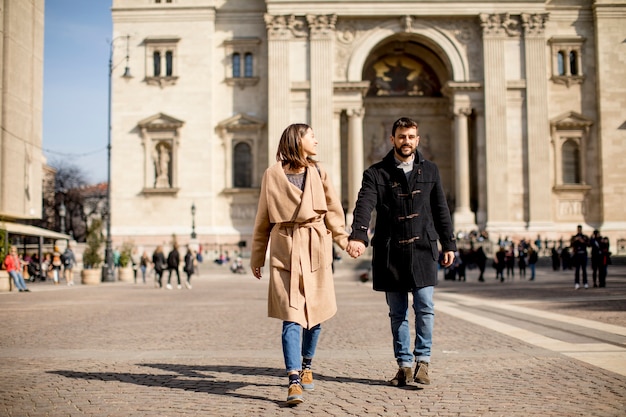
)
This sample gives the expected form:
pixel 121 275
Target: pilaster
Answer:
pixel 463 216
pixel 495 31
pixel 539 188
pixel 322 32
pixel 355 154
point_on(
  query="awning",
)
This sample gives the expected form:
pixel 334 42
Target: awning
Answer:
pixel 27 230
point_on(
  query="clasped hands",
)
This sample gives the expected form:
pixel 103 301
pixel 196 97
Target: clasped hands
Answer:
pixel 355 248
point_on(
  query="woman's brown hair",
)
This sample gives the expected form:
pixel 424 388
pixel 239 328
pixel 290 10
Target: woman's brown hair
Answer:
pixel 290 147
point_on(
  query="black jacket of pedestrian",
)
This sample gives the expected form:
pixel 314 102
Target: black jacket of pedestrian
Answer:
pixel 411 216
pixel 158 259
pixel 173 259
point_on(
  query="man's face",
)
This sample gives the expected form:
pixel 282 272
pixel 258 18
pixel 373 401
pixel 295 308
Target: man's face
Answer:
pixel 405 142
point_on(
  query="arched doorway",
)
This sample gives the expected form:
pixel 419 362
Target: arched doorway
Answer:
pixel 407 78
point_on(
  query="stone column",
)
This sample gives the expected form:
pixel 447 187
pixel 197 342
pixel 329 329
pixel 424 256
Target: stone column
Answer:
pixel 539 188
pixel 355 156
pixel 481 212
pixel 463 216
pixel 496 143
pixel 279 33
pixel 322 31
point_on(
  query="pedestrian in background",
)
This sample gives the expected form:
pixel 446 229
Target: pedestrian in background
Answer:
pixel 412 214
pixel 173 262
pixel 605 261
pixel 596 255
pixel 579 243
pixel 69 261
pixel 158 260
pixel 13 265
pixel 533 257
pixel 56 266
pixel 144 261
pixel 299 210
pixel 190 260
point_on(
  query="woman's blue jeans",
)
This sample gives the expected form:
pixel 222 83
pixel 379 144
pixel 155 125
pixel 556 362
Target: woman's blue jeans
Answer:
pixel 424 308
pixel 18 279
pixel 298 343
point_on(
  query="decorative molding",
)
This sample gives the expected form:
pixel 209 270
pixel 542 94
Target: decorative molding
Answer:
pixel 321 26
pixel 161 191
pixel 284 27
pixel 161 81
pixel 242 82
pixel 500 24
pixel 534 24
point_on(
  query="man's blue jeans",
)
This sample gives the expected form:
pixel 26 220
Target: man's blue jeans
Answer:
pixel 424 308
pixel 18 279
pixel 298 344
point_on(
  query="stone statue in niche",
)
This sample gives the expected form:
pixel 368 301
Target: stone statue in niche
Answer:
pixel 161 158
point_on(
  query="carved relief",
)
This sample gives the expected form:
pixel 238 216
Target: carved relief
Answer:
pixel 161 157
pixel 244 212
pixel 285 27
pixel 534 24
pixel 569 208
pixel 321 26
pixel 500 24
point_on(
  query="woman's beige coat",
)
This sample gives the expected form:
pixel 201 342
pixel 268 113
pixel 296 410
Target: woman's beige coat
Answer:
pixel 302 226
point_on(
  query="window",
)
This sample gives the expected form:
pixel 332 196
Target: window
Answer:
pixel 567 65
pixel 248 65
pixel 570 134
pixel 236 49
pixel 241 135
pixel 242 165
pixel 570 157
pixel 161 66
pixel 236 65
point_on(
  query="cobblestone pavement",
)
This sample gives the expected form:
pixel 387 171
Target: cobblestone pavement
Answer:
pixel 516 348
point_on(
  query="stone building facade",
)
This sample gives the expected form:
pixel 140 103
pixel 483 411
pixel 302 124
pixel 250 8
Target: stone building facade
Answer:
pixel 520 103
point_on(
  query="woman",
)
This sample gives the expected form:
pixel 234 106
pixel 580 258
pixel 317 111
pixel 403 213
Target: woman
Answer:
pixel 158 259
pixel 143 265
pixel 56 265
pixel 13 265
pixel 299 210
pixel 190 259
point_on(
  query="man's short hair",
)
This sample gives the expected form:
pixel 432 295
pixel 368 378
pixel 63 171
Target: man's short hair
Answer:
pixel 403 122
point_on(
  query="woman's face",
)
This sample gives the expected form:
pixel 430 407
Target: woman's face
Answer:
pixel 309 143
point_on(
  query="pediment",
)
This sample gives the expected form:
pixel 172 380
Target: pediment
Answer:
pixel 571 120
pixel 160 121
pixel 241 121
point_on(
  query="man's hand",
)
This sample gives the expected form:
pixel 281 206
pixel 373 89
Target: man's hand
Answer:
pixel 355 248
pixel 448 258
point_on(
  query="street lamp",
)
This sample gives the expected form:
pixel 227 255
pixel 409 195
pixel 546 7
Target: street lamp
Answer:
pixel 193 221
pixel 107 271
pixel 62 213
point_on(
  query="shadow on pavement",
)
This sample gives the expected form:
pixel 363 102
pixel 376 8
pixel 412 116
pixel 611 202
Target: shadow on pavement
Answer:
pixel 198 378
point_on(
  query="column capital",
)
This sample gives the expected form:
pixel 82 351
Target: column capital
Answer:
pixel 534 24
pixel 462 111
pixel 356 112
pixel 502 24
pixel 284 27
pixel 322 26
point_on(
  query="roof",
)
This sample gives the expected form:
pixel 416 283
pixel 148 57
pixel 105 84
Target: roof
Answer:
pixel 27 230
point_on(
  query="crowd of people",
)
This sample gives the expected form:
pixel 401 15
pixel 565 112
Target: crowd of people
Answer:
pixel 511 257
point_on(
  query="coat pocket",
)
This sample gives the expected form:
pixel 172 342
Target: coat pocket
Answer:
pixel 280 247
pixel 433 237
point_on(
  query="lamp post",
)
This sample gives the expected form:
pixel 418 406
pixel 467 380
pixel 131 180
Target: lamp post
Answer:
pixel 107 271
pixel 62 213
pixel 193 221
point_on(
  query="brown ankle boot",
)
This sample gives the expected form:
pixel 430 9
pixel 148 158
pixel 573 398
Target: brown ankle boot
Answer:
pixel 402 377
pixel 421 373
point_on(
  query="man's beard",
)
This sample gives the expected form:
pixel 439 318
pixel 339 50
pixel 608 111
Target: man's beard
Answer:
pixel 404 151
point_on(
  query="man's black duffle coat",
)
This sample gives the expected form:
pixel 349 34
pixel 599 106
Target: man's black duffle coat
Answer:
pixel 411 216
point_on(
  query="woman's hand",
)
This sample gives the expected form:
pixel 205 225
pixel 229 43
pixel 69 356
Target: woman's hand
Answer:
pixel 256 272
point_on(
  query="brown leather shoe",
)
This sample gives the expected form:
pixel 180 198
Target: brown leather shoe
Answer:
pixel 294 395
pixel 421 373
pixel 402 377
pixel 306 379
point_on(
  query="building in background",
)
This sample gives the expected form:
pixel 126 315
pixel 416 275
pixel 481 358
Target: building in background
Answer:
pixel 22 164
pixel 520 104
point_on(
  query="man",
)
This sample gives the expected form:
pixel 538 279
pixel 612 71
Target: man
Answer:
pixel 412 214
pixel 596 255
pixel 69 260
pixel 579 243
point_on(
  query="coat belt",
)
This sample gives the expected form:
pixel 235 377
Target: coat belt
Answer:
pixel 316 229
